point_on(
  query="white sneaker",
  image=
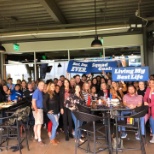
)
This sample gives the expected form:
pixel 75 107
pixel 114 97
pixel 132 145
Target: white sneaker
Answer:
pixel 152 140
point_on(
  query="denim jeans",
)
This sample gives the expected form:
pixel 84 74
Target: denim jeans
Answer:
pixel 142 122
pixel 55 122
pixel 152 124
pixel 77 124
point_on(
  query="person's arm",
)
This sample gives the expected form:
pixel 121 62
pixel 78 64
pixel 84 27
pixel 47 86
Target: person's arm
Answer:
pixel 62 101
pixel 140 101
pixel 45 103
pixel 34 99
pixel 34 106
pixel 146 97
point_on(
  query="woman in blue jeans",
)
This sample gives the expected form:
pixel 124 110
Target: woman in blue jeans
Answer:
pixel 51 107
pixel 74 99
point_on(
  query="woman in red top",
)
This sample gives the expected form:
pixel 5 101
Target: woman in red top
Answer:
pixel 149 100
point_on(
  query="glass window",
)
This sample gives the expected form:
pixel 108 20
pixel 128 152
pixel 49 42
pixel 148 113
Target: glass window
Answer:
pixel 127 56
pixel 19 66
pixel 51 64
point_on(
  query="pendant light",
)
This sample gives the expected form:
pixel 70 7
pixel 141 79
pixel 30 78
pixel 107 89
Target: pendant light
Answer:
pixel 59 65
pixel 96 42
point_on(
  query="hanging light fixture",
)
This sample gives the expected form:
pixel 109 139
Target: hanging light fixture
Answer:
pixel 96 42
pixel 59 65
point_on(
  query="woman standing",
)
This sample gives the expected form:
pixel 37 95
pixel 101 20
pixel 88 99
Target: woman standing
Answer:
pixel 23 86
pixel 149 100
pixel 74 99
pixel 51 107
pixel 65 93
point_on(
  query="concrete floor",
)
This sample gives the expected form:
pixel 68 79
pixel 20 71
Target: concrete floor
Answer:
pixel 68 147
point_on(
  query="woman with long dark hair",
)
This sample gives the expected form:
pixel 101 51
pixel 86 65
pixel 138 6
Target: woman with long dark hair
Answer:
pixel 74 99
pixel 65 93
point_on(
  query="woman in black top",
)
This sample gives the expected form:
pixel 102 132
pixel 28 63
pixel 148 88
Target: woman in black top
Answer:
pixel 142 88
pixel 65 93
pixel 6 92
pixel 51 107
pixel 74 99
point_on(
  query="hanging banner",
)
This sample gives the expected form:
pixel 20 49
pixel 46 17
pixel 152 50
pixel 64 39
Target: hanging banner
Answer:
pixel 90 67
pixel 97 67
pixel 130 74
pixel 79 67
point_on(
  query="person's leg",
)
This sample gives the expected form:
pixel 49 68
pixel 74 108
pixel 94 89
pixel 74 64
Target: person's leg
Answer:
pixel 39 132
pixel 123 129
pixel 39 121
pixel 152 128
pixel 65 122
pixel 75 124
pixel 35 132
pixel 152 124
pixel 49 128
pixel 54 125
pixel 35 126
pixel 69 116
pixel 142 123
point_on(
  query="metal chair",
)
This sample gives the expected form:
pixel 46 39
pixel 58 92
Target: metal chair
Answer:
pixel 10 130
pixel 91 129
pixel 136 114
pixel 22 118
pixel 83 108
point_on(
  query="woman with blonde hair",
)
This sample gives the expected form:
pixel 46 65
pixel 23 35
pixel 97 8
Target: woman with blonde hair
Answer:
pixel 86 93
pixel 51 107
pixel 117 91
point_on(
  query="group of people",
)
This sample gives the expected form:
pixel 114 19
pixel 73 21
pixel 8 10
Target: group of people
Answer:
pixel 56 100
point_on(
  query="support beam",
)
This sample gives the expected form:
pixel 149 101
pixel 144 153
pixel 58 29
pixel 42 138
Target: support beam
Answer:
pixel 53 10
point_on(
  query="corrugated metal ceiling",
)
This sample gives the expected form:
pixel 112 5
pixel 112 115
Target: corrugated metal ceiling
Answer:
pixel 32 15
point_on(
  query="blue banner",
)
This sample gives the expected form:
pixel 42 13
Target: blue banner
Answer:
pixel 90 67
pixel 130 74
pixel 79 67
pixel 106 66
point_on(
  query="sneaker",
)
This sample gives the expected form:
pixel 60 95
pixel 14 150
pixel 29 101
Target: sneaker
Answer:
pixel 152 140
pixel 81 140
pixel 123 135
pixel 137 137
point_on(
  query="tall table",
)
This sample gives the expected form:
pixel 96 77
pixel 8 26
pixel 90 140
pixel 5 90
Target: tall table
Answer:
pixel 107 110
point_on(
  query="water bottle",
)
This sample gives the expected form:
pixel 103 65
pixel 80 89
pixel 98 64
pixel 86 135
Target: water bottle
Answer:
pixel 110 96
pixel 108 102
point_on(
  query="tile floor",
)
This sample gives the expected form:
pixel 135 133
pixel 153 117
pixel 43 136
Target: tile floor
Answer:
pixel 68 147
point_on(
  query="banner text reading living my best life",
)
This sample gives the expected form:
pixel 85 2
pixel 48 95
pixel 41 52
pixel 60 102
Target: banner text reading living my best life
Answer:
pixel 130 74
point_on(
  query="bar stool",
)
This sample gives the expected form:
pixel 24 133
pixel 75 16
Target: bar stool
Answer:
pixel 132 127
pixel 91 129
